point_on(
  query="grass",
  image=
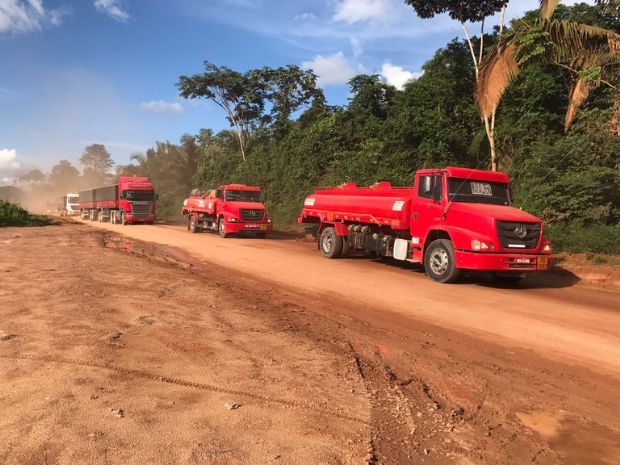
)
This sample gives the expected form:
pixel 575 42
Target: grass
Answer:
pixel 12 214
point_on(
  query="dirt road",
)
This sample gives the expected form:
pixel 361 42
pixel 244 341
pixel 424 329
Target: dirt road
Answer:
pixel 345 362
pixel 572 323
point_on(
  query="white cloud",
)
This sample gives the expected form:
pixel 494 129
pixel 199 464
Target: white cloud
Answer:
pixel 397 75
pixel 333 69
pixel 353 11
pixel 162 108
pixel 8 159
pixel 28 15
pixel 113 9
pixel 304 17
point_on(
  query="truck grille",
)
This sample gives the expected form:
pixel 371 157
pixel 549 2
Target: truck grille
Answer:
pixel 140 209
pixel 514 235
pixel 251 215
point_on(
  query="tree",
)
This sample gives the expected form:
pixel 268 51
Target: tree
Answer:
pixel 240 95
pixel 590 54
pixel 465 11
pixel 64 177
pixel 34 176
pixel 96 161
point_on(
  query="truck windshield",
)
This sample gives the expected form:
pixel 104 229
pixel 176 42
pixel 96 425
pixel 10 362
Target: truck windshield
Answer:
pixel 474 191
pixel 139 195
pixel 243 196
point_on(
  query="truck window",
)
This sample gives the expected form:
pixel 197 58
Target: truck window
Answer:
pixel 476 191
pixel 242 196
pixel 139 195
pixel 430 187
pixel 220 194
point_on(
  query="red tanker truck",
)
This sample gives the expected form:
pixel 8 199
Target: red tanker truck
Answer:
pixel 453 219
pixel 131 200
pixel 229 209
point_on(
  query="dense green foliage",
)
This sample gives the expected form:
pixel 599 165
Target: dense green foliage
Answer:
pixel 12 214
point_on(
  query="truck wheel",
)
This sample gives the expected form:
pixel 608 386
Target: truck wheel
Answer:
pixel 123 220
pixel 221 228
pixel 113 218
pixel 439 261
pixel 191 226
pixel 330 243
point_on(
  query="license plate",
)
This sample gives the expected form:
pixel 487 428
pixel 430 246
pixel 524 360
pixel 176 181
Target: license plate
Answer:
pixel 251 226
pixel 522 261
pixel 542 263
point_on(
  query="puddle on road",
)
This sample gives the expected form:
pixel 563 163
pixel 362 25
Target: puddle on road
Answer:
pixel 577 443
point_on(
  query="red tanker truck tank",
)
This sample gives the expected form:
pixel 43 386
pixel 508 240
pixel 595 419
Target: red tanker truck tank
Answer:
pixel 130 200
pixel 229 209
pixel 452 219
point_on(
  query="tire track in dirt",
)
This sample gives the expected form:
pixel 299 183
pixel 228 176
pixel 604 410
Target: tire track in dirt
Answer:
pixel 185 383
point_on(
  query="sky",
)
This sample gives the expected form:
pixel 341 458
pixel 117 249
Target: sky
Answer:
pixel 77 72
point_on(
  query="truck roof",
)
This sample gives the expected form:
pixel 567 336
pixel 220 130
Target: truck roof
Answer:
pixel 469 173
pixel 240 187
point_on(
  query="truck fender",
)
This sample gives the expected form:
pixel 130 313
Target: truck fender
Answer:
pixel 341 229
pixel 433 235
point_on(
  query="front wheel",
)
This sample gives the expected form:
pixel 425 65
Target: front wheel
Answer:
pixel 192 227
pixel 439 261
pixel 221 228
pixel 123 220
pixel 330 243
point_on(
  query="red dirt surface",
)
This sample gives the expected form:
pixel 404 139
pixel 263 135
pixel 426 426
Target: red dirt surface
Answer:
pixel 347 361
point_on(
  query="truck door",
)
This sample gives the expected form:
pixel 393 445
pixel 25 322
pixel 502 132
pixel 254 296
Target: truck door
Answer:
pixel 427 206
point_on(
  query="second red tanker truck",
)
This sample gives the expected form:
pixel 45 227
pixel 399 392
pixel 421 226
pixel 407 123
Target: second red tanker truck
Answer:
pixel 451 220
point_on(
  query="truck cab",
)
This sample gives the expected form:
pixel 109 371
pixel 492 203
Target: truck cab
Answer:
pixel 469 214
pixel 136 200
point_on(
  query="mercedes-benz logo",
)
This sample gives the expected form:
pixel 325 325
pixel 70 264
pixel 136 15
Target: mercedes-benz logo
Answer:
pixel 521 231
pixel 253 213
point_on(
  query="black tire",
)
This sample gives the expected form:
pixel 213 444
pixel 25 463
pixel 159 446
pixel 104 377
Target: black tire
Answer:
pixel 123 220
pixel 504 280
pixel 192 226
pixel 345 247
pixel 439 261
pixel 220 228
pixel 330 243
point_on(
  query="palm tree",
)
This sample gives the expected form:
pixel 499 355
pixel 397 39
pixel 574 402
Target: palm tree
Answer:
pixel 590 54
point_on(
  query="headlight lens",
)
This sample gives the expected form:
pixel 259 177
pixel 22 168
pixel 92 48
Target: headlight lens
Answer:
pixel 547 247
pixel 232 219
pixel 481 246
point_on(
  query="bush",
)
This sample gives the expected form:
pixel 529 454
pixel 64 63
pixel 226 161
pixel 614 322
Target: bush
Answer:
pixel 12 214
pixel 595 239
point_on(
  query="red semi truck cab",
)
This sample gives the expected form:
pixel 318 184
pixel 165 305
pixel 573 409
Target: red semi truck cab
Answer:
pixel 452 219
pixel 131 200
pixel 229 209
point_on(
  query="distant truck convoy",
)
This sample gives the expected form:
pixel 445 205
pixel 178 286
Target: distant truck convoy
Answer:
pixel 70 205
pixel 229 209
pixel 451 220
pixel 131 200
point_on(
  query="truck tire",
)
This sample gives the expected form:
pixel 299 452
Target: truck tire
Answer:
pixel 439 261
pixel 123 220
pixel 221 228
pixel 113 217
pixel 330 243
pixel 191 225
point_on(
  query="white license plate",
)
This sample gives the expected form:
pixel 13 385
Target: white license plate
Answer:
pixel 522 260
pixel 252 226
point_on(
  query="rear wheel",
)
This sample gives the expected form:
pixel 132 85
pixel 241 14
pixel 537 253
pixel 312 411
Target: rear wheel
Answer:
pixel 439 261
pixel 330 243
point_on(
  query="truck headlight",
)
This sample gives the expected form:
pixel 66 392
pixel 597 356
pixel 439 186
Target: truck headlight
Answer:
pixel 481 246
pixel 547 247
pixel 232 219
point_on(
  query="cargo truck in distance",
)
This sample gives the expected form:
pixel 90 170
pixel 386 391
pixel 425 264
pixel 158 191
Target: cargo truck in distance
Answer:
pixel 451 220
pixel 229 209
pixel 70 205
pixel 131 200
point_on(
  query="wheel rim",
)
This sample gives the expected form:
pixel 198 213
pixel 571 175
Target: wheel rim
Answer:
pixel 327 243
pixel 221 227
pixel 439 261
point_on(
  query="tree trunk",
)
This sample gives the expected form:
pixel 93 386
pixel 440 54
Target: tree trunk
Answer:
pixel 241 144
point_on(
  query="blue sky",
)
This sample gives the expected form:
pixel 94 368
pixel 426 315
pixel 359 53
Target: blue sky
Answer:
pixel 84 71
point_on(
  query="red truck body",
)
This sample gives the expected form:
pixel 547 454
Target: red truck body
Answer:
pixel 450 220
pixel 229 209
pixel 131 200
